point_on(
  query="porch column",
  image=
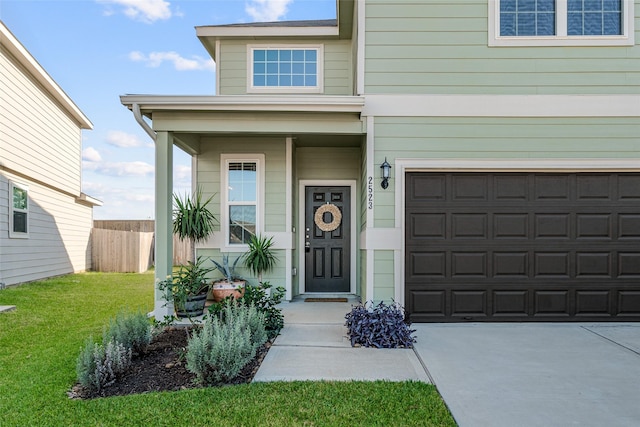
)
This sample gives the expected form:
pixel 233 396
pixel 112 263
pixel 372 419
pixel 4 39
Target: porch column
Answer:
pixel 164 226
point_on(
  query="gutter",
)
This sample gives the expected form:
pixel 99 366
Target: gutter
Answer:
pixel 135 107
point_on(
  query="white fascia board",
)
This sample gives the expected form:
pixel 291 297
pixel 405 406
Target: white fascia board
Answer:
pixel 251 32
pixel 502 105
pixel 339 104
pixel 13 45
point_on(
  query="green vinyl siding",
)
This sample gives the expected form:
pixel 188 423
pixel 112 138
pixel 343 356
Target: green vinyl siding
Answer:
pixel 429 47
pixel 274 150
pixel 383 276
pixel 232 65
pixel 328 163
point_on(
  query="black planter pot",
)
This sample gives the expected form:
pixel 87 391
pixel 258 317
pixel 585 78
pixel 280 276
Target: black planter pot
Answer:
pixel 193 306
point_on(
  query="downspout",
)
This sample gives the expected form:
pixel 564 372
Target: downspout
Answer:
pixel 135 107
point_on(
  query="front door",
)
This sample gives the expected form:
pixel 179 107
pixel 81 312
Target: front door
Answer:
pixel 327 239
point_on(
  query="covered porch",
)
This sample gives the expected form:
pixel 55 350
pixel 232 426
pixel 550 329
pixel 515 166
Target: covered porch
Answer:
pixel 270 163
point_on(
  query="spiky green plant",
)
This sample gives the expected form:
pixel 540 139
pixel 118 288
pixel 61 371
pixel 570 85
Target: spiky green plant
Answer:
pixel 192 219
pixel 260 258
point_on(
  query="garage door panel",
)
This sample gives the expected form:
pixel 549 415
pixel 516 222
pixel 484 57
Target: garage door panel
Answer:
pixel 551 265
pixel 511 226
pixel 523 247
pixel 469 187
pixel 509 187
pixel 629 227
pixel 427 226
pixel 629 264
pixel 629 187
pixel 552 226
pixel 594 187
pixel 594 265
pixel 594 226
pixel 551 187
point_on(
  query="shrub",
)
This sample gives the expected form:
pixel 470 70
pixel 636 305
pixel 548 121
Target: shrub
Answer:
pixel 133 331
pixel 266 304
pixel 225 344
pixel 381 326
pixel 98 366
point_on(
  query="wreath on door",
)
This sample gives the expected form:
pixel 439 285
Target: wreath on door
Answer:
pixel 335 213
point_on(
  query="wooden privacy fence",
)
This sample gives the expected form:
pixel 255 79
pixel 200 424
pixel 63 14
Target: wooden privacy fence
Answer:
pixel 128 246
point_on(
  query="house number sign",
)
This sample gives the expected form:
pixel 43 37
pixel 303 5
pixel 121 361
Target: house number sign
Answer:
pixel 370 192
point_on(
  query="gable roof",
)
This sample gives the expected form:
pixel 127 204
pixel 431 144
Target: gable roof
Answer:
pixel 9 42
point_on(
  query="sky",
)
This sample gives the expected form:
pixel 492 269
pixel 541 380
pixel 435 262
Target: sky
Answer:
pixel 97 50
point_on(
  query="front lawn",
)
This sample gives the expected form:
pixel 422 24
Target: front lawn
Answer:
pixel 40 341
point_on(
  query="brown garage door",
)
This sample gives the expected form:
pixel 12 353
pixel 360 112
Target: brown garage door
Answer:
pixel 522 247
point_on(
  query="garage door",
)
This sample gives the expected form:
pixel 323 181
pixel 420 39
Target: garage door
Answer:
pixel 522 247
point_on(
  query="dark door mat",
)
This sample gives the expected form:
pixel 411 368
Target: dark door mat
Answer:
pixel 325 300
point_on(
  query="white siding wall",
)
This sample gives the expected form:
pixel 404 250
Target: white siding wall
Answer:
pixel 40 146
pixel 37 137
pixel 59 236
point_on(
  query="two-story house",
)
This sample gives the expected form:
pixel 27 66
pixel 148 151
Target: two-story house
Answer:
pixel 45 219
pixel 509 130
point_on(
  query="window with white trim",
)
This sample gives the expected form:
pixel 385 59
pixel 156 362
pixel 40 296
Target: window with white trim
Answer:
pixel 561 22
pixel 18 211
pixel 285 68
pixel 243 180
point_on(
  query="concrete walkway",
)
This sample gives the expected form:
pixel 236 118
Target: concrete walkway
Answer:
pixel 488 374
pixel 313 346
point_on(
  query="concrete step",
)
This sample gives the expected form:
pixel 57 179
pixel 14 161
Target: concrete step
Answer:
pixel 7 308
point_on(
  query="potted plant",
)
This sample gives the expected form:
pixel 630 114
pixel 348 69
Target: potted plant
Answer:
pixel 188 288
pixel 260 258
pixel 231 284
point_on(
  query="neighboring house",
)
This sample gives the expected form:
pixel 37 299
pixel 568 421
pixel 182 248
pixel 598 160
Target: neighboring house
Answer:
pixel 45 219
pixel 513 137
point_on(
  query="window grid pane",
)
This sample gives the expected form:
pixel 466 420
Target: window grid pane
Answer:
pixel 527 17
pixel 285 68
pixel 242 201
pixel 594 17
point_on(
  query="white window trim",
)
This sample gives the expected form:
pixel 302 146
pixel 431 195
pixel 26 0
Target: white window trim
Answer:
pixel 225 159
pixel 13 234
pixel 561 38
pixel 298 89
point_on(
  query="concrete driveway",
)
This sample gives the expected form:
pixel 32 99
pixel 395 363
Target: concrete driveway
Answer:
pixel 535 374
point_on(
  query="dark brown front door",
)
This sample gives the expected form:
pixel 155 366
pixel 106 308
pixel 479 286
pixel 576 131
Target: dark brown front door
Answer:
pixel 327 239
pixel 522 246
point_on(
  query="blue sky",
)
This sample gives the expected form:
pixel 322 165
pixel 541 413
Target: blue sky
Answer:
pixel 97 50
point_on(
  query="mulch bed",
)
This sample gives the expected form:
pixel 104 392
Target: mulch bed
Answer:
pixel 163 368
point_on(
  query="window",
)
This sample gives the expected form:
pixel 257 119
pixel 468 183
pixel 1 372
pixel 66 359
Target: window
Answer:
pixel 561 22
pixel 19 211
pixel 287 69
pixel 242 214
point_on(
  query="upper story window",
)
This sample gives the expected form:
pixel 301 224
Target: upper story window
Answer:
pixel 561 22
pixel 19 211
pixel 285 69
pixel 243 179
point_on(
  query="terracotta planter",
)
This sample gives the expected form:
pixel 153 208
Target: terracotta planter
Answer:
pixel 223 289
pixel 193 306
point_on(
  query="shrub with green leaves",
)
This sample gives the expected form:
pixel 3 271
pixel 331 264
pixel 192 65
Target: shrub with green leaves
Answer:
pixel 225 343
pixel 133 330
pixel 98 365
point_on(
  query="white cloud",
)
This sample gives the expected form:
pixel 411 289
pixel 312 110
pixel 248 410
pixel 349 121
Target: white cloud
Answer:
pixel 267 10
pixel 125 140
pixel 120 169
pixel 90 154
pixel 155 59
pixel 141 10
pixel 182 173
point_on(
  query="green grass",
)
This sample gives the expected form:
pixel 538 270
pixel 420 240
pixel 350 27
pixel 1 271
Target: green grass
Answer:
pixel 40 341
